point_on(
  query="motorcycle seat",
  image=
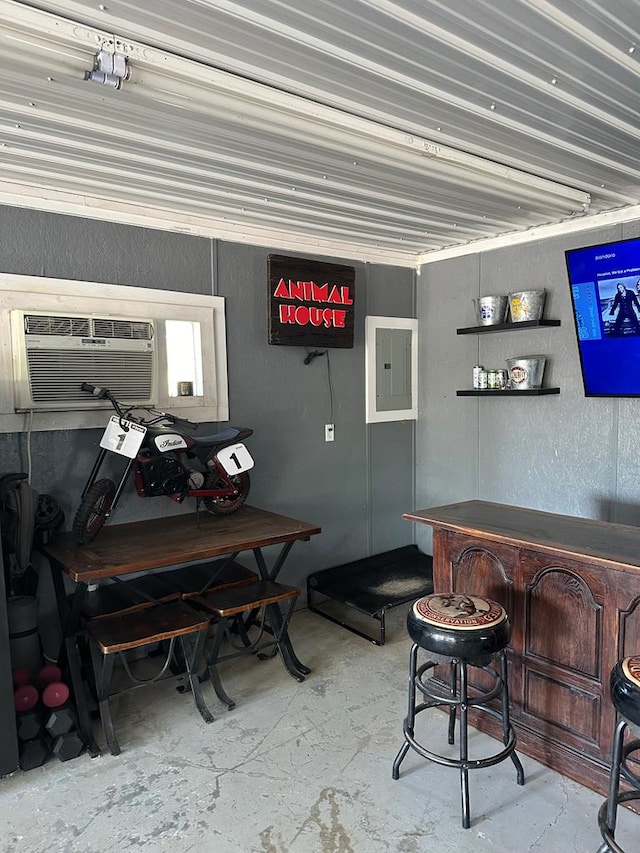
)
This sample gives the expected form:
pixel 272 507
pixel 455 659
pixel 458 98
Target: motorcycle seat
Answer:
pixel 200 434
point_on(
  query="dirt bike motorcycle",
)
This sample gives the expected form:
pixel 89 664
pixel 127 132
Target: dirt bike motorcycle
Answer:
pixel 167 455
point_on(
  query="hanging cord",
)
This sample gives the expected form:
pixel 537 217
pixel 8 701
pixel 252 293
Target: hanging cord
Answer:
pixel 310 356
pixel 28 437
pixel 330 388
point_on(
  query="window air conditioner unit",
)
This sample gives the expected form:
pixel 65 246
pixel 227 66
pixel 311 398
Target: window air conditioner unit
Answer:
pixel 53 354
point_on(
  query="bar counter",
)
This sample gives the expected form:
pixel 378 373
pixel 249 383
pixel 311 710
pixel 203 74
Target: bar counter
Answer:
pixel 571 587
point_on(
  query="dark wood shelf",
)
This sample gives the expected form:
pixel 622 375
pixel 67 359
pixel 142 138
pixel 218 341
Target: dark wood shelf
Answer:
pixel 507 327
pixel 508 392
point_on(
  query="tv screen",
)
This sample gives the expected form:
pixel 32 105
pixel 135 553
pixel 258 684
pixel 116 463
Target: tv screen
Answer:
pixel 605 292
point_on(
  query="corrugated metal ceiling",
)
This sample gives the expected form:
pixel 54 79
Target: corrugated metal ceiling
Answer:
pixel 365 128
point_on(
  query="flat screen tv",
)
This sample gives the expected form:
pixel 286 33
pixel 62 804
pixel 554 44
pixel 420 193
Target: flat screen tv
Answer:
pixel 605 292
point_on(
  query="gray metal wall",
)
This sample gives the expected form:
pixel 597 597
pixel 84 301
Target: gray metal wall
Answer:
pixel 567 453
pixel 356 488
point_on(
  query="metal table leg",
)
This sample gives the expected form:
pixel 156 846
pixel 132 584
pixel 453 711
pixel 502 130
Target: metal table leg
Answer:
pixel 69 655
pixel 287 651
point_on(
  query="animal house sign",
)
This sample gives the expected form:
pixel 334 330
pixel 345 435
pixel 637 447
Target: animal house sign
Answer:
pixel 310 303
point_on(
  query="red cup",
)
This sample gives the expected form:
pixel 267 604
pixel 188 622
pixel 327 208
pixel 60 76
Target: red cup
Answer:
pixel 55 694
pixel 25 697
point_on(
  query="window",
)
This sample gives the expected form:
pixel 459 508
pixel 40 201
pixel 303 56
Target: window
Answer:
pixel 184 359
pixel 185 351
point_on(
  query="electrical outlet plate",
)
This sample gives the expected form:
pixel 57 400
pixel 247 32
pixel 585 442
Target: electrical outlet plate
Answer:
pixel 328 432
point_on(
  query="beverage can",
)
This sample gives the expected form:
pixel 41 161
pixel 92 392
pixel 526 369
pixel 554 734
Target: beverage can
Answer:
pixel 482 379
pixel 492 379
pixel 476 375
pixel 502 379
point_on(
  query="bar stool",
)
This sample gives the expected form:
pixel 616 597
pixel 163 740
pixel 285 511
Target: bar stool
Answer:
pixel 461 630
pixel 624 686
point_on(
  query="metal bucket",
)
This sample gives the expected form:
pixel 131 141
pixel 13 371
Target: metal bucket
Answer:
pixel 491 310
pixel 526 305
pixel 525 372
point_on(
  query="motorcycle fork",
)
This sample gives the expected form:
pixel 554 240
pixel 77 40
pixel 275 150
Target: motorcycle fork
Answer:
pixel 97 465
pixel 94 471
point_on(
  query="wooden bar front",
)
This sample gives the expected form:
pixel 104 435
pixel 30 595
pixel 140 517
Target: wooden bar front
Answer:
pixel 571 587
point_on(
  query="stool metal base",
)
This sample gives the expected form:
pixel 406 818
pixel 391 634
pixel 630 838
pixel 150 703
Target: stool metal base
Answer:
pixel 458 697
pixel 608 813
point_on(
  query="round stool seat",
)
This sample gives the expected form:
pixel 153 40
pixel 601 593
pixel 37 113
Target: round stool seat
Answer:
pixel 624 686
pixel 625 689
pixel 455 625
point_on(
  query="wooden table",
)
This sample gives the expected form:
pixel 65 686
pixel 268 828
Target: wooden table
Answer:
pixel 143 546
pixel 571 587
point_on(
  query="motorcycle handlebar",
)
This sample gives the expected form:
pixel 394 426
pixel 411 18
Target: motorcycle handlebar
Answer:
pixel 101 393
pixel 105 394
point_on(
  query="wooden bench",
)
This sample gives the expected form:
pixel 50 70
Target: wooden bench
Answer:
pixel 224 606
pixel 112 635
pixel 152 588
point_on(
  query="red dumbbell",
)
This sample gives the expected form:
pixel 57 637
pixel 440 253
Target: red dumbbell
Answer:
pixel 20 677
pixel 25 697
pixel 48 674
pixel 55 694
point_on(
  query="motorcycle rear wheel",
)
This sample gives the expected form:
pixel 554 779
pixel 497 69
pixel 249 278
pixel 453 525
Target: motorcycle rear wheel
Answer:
pixel 226 506
pixel 93 509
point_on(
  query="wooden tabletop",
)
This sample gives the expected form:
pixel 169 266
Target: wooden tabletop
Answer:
pixel 611 545
pixel 141 545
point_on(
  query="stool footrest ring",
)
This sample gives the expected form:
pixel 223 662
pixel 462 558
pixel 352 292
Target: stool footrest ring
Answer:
pixel 479 699
pixel 470 763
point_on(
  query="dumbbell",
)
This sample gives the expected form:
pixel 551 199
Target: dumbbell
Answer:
pixel 25 697
pixel 20 677
pixel 61 721
pixel 29 724
pixel 68 745
pixel 33 753
pixel 48 675
pixel 55 695
pixel 62 728
pixel 29 716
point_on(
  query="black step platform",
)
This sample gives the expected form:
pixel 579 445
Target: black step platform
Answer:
pixel 372 586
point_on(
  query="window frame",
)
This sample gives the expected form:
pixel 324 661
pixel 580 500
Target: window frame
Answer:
pixel 38 293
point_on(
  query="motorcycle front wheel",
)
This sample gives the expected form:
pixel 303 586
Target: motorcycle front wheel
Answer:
pixel 225 506
pixel 93 509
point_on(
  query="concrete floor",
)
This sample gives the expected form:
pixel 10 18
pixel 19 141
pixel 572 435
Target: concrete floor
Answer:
pixel 294 768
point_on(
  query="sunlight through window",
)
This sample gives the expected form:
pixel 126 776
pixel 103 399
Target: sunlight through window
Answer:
pixel 184 359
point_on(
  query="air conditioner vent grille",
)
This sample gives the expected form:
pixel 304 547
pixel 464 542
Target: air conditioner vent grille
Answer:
pixel 56 375
pixel 128 329
pixel 41 324
pixel 87 327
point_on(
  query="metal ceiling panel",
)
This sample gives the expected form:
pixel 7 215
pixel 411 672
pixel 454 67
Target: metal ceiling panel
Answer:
pixel 370 128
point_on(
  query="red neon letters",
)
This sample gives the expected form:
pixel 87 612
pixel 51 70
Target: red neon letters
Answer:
pixel 309 291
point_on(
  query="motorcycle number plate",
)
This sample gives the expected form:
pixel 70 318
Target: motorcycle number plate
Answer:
pixel 123 437
pixel 235 459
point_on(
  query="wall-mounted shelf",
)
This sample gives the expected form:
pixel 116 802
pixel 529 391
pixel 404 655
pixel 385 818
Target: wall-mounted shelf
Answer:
pixel 507 327
pixel 508 392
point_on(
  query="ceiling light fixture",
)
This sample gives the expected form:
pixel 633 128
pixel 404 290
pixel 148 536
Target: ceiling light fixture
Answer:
pixel 109 69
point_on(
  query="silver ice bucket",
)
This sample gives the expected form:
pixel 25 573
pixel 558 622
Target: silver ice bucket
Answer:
pixel 526 305
pixel 491 310
pixel 526 372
